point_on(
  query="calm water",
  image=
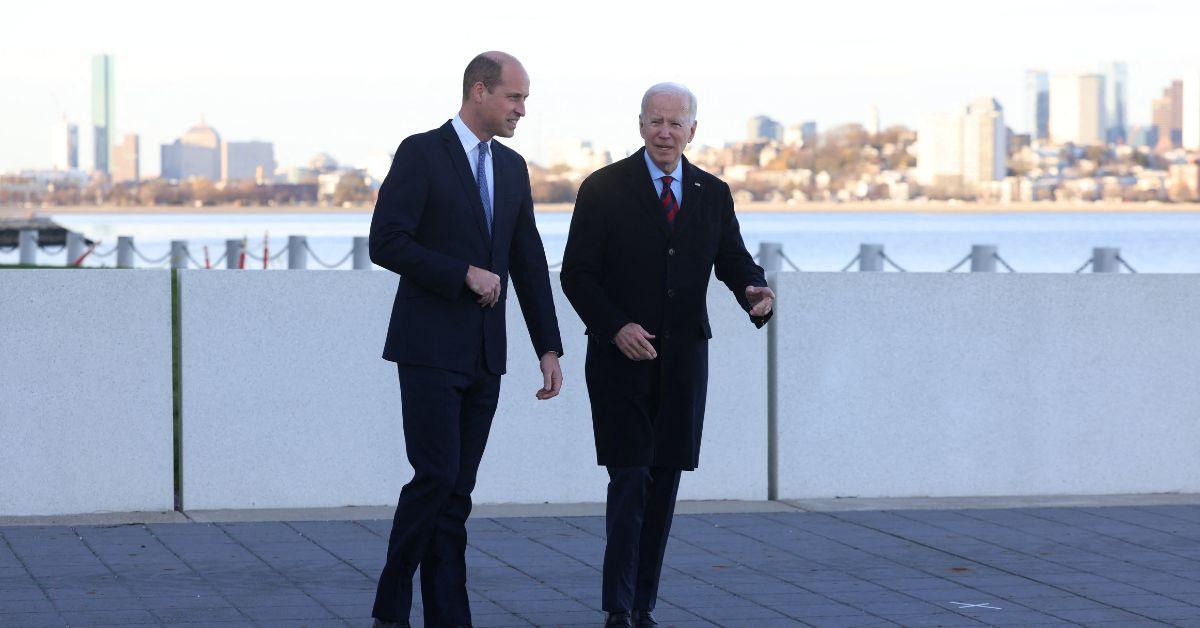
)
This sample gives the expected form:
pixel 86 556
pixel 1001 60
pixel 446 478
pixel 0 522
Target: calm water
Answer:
pixel 1049 242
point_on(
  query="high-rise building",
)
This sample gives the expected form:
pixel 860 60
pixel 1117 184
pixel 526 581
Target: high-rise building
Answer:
pixel 1189 111
pixel 1077 110
pixel 985 142
pixel 242 160
pixel 873 120
pixel 126 161
pixel 102 111
pixel 1037 104
pixel 764 128
pixel 1116 79
pixel 64 145
pixel 196 154
pixel 1167 113
pixel 803 134
pixel 939 149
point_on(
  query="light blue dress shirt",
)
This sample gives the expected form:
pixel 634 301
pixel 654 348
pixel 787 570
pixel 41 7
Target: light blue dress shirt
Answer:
pixel 656 174
pixel 470 144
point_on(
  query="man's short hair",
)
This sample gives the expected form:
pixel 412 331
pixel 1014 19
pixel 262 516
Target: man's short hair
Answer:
pixel 484 68
pixel 674 89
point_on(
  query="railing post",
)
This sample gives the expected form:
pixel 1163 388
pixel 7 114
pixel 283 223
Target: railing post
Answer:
pixel 770 256
pixel 297 253
pixel 179 254
pixel 362 253
pixel 983 258
pixel 233 254
pixel 75 246
pixel 124 251
pixel 27 240
pixel 870 258
pixel 1104 259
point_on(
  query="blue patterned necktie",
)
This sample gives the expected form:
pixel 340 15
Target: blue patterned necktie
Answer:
pixel 481 178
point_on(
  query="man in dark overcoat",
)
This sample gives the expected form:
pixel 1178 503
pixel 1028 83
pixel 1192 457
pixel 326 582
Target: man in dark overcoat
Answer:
pixel 646 235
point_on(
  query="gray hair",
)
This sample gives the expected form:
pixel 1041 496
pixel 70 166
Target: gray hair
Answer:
pixel 671 89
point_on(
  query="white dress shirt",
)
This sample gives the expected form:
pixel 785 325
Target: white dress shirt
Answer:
pixel 656 175
pixel 470 144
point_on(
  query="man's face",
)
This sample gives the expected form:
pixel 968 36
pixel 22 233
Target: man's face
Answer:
pixel 667 127
pixel 501 108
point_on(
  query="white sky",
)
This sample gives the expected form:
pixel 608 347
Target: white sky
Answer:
pixel 353 78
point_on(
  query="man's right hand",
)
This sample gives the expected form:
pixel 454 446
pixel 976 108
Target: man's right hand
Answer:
pixel 484 283
pixel 634 342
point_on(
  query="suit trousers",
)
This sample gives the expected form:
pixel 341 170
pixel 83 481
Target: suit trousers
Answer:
pixel 447 416
pixel 641 503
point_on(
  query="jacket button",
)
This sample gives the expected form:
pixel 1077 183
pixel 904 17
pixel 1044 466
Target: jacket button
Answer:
pixel 670 251
pixel 670 293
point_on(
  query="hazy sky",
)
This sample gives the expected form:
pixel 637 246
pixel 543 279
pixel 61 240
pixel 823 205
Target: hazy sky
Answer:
pixel 353 78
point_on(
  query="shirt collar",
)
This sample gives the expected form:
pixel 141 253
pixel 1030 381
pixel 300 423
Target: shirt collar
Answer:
pixel 466 135
pixel 656 173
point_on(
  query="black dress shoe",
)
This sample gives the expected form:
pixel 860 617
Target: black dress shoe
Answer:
pixel 643 619
pixel 383 623
pixel 618 620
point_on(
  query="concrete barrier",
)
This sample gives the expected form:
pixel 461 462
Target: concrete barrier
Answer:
pixel 85 391
pixel 286 402
pixel 941 385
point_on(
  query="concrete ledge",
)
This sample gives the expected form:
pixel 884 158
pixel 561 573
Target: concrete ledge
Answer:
pixel 846 504
pixel 593 509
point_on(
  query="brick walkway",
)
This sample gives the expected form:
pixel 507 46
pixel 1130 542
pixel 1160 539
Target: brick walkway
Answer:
pixel 1112 566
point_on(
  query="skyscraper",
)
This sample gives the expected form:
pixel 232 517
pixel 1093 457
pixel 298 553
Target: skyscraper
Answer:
pixel 102 110
pixel 764 128
pixel 1077 109
pixel 1037 104
pixel 126 160
pixel 985 142
pixel 873 120
pixel 1167 114
pixel 1116 78
pixel 64 145
pixel 939 149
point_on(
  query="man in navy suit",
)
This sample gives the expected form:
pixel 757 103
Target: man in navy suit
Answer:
pixel 455 220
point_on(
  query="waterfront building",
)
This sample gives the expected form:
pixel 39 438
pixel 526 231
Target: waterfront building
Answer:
pixel 64 145
pixel 126 160
pixel 1037 104
pixel 103 111
pixel 242 161
pixel 1116 79
pixel 764 128
pixel 1077 109
pixel 196 154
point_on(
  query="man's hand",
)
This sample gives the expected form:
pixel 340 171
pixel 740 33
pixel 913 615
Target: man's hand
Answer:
pixel 761 300
pixel 484 283
pixel 634 342
pixel 552 376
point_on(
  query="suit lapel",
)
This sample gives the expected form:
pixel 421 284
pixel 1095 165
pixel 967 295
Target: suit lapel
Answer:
pixel 463 166
pixel 693 192
pixel 500 208
pixel 642 188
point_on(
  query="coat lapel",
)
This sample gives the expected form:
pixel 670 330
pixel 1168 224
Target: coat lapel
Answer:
pixel 501 212
pixel 462 165
pixel 642 188
pixel 693 192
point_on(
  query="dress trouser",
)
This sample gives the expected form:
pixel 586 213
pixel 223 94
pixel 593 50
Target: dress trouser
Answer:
pixel 447 416
pixel 641 502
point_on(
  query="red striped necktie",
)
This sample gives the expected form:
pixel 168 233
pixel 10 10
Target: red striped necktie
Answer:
pixel 670 205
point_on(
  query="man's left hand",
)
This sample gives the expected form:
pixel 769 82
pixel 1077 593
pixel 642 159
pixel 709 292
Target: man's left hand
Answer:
pixel 761 300
pixel 552 376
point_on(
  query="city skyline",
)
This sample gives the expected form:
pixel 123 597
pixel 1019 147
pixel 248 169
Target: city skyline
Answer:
pixel 347 99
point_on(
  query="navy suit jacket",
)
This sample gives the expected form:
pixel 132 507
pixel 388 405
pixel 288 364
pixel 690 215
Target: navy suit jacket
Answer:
pixel 428 226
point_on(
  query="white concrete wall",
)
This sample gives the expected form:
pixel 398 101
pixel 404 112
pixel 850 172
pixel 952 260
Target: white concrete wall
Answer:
pixel 85 391
pixel 939 385
pixel 286 402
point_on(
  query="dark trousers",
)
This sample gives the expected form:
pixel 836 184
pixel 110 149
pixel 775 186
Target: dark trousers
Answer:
pixel 641 502
pixel 447 416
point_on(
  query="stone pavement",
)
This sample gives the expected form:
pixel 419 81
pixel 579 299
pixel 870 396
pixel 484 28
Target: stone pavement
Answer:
pixel 1025 566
